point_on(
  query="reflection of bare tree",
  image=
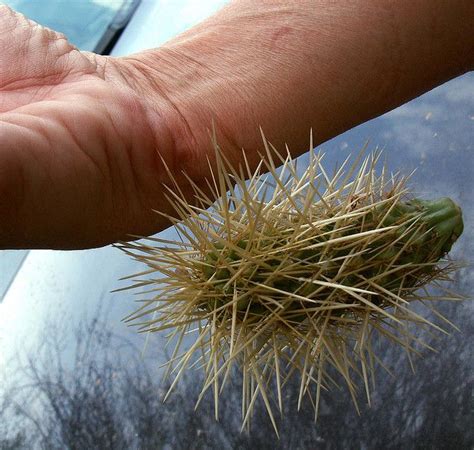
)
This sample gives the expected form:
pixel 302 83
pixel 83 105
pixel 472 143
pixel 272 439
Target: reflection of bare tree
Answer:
pixel 68 399
pixel 430 409
pixel 96 392
pixel 9 440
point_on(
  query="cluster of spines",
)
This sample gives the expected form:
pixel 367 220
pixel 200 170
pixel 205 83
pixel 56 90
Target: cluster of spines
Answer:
pixel 288 273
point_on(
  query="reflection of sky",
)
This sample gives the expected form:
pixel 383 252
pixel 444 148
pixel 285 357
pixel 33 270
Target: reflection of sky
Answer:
pixel 83 22
pixel 433 133
pixel 10 263
pixel 169 18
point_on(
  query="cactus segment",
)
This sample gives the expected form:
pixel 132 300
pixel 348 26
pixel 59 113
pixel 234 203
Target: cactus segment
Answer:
pixel 296 274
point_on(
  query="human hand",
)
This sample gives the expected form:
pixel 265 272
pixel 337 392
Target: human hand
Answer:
pixel 80 146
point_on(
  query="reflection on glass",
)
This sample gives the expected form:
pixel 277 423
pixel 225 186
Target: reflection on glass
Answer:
pixel 88 388
pixel 10 264
pixel 95 390
pixel 83 22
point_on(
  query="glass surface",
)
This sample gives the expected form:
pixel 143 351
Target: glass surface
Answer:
pixel 72 375
pixel 82 21
pixel 10 264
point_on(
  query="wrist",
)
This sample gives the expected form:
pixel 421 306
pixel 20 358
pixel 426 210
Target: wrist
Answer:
pixel 289 68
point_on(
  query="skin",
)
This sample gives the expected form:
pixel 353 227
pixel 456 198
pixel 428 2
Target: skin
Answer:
pixel 84 139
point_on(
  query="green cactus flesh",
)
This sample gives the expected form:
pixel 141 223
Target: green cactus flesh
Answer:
pixel 419 233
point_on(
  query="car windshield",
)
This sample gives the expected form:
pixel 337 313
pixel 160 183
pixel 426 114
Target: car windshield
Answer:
pixel 83 22
pixel 75 374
